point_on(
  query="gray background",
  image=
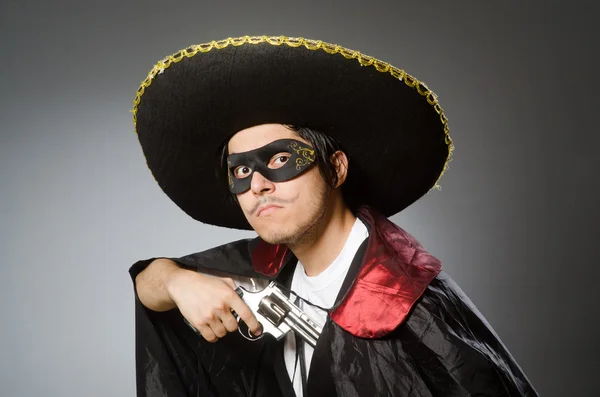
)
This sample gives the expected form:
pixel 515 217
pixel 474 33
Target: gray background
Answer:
pixel 515 223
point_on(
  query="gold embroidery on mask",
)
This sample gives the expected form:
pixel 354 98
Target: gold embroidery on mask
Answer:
pixel 308 155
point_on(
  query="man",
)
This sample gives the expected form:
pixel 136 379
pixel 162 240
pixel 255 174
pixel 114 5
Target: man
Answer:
pixel 314 146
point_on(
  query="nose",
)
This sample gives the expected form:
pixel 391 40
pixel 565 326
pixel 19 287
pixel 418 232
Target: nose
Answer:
pixel 260 185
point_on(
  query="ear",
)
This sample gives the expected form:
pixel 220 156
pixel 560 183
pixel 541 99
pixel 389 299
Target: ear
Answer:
pixel 340 163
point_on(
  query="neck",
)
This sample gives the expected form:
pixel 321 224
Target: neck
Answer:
pixel 326 241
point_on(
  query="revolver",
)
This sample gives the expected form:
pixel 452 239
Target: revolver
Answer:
pixel 277 315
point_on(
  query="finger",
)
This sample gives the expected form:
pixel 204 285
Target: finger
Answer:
pixel 229 322
pixel 207 333
pixel 242 310
pixel 218 328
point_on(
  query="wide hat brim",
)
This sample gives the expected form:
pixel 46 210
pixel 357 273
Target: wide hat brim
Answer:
pixel 389 123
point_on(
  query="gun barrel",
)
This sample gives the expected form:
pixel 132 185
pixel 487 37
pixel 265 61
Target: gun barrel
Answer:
pixel 296 319
pixel 302 328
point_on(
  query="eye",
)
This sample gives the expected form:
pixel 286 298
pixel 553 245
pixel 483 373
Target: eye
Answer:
pixel 279 160
pixel 241 171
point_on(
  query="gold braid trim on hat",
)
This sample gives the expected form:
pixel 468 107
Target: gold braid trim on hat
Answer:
pixel 364 60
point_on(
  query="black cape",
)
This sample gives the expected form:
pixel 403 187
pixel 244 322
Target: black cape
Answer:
pixel 442 346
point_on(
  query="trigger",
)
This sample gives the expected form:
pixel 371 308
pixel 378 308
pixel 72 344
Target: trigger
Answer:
pixel 245 332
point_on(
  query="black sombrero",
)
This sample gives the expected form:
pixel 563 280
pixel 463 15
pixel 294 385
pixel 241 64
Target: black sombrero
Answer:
pixel 390 124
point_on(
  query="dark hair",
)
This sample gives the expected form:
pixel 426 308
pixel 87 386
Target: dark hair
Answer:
pixel 324 146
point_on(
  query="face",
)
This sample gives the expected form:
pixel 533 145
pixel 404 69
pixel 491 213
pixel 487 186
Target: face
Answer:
pixel 281 212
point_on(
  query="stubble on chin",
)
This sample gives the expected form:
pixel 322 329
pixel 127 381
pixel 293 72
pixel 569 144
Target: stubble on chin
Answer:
pixel 304 233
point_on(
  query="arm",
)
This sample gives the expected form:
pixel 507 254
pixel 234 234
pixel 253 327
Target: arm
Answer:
pixel 204 300
pixel 152 284
pixel 171 360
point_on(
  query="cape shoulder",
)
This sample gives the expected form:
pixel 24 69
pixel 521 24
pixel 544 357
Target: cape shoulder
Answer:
pixel 233 258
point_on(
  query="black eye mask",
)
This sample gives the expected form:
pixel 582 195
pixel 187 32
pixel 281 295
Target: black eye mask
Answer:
pixel 301 159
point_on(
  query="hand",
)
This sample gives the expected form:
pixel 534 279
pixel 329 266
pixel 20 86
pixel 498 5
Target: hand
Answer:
pixel 206 303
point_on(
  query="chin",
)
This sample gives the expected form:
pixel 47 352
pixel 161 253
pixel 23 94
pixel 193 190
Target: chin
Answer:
pixel 270 239
pixel 274 235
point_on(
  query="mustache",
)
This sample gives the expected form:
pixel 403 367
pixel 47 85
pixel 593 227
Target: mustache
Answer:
pixel 271 200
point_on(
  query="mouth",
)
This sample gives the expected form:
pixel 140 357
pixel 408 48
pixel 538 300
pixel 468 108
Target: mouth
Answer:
pixel 266 210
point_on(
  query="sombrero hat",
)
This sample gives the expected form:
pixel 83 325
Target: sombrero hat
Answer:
pixel 389 123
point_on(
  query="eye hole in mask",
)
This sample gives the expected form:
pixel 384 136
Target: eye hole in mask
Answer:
pixel 278 161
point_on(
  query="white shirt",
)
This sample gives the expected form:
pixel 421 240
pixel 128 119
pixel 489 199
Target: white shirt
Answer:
pixel 320 290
